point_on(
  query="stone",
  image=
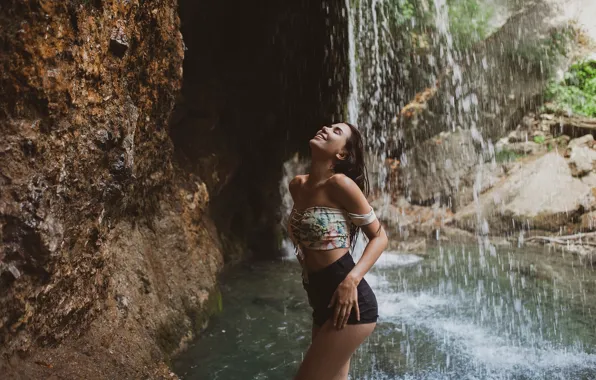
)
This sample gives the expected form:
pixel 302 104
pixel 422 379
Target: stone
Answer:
pixel 118 39
pixel 446 170
pixel 453 234
pixel 103 137
pixel 588 221
pixel 581 158
pixel 518 135
pixel 581 141
pixel 387 212
pixel 525 148
pixel 542 194
pixel 589 179
pixel 418 246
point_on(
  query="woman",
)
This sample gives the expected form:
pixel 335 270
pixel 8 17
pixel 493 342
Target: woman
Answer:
pixel 330 208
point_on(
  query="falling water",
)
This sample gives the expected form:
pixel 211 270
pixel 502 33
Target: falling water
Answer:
pixel 353 105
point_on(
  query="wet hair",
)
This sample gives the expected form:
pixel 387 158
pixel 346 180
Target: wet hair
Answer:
pixel 353 166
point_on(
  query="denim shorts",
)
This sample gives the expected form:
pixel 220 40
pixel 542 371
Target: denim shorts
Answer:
pixel 323 283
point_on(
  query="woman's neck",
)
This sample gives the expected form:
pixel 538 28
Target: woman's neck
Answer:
pixel 320 171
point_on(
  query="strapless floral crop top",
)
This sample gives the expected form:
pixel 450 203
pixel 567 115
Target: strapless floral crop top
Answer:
pixel 323 228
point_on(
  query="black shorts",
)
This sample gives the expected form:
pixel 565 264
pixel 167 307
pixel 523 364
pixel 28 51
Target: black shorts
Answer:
pixel 323 283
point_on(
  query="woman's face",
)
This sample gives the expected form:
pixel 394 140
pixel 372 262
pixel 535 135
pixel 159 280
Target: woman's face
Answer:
pixel 332 139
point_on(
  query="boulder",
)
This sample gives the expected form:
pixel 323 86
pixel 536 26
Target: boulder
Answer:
pixel 523 148
pixel 518 135
pixel 581 160
pixel 543 194
pixel 583 141
pixel 446 170
pixel 388 213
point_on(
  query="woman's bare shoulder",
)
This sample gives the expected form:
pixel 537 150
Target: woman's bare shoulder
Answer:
pixel 297 182
pixel 342 182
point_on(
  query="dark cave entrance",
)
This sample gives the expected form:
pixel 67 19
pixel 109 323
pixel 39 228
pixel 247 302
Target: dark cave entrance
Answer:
pixel 259 79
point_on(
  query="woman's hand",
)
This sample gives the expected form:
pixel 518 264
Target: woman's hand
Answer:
pixel 345 298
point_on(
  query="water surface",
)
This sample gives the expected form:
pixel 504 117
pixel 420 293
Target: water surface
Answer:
pixel 463 312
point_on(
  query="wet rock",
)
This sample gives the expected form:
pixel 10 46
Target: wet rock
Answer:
pixel 387 212
pixel 118 39
pixel 518 135
pixel 29 148
pixel 523 148
pixel 588 221
pixel 413 246
pixel 584 141
pixel 61 260
pixel 443 169
pixel 589 179
pixel 103 138
pixel 542 194
pixel 521 81
pixel 454 234
pixel 582 160
pixel 15 272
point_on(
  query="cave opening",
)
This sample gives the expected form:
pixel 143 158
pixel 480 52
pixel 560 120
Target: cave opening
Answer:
pixel 259 79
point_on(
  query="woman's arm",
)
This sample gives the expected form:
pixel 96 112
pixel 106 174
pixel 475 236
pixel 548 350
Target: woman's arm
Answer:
pixel 348 194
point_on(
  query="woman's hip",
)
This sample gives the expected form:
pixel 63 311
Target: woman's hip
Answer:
pixel 322 284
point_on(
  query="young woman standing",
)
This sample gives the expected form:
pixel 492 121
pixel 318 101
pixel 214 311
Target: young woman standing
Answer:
pixel 330 207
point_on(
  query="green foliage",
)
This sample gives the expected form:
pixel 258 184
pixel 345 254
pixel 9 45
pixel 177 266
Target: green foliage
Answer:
pixel 403 11
pixel 469 21
pixel 539 139
pixel 576 93
pixel 506 156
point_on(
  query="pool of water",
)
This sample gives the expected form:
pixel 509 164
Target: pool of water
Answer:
pixel 462 312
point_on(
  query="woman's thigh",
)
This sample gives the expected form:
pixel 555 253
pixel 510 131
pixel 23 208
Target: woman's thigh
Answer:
pixel 315 330
pixel 331 349
pixel 343 372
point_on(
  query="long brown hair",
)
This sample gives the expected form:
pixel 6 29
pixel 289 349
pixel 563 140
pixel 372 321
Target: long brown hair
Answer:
pixel 353 166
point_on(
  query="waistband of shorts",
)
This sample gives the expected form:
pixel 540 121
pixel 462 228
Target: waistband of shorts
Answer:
pixel 346 261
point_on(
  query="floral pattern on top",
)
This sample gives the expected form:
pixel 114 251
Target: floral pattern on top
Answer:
pixel 320 228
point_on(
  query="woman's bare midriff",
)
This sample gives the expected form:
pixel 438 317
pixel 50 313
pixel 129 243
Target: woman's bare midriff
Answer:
pixel 317 260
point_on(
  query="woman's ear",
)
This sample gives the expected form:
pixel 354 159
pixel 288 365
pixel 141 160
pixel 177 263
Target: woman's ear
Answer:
pixel 342 155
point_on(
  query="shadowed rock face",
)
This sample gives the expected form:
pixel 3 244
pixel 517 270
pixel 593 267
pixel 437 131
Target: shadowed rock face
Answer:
pixel 116 215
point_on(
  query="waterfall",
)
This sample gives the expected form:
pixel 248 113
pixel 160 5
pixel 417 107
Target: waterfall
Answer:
pixel 353 103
